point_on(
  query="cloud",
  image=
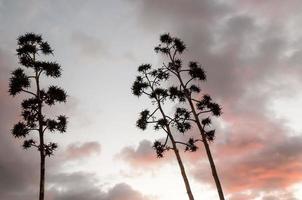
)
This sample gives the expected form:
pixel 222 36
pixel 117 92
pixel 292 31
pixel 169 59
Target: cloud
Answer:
pixel 144 156
pixel 81 150
pixel 122 191
pixel 88 46
pixel 173 13
pixel 274 167
pixel 274 9
pixel 280 195
pixel 79 185
pixel 17 169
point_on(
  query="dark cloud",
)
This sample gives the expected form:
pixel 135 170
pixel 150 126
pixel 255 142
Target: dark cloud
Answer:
pixel 16 165
pixel 78 186
pixel 158 14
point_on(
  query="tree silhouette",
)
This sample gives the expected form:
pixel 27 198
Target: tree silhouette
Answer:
pixel 187 91
pixel 31 47
pixel 149 83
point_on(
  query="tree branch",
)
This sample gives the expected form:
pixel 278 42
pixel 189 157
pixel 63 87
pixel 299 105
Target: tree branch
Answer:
pixel 29 92
pixel 166 140
pixel 33 129
pixel 152 113
pixel 45 129
pixel 204 112
pixel 174 53
pixel 188 82
pixel 34 145
pixel 184 70
pixel 169 68
pixel 146 93
pixel 178 142
pixel 195 100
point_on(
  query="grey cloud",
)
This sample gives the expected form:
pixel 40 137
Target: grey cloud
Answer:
pixel 250 52
pixel 89 46
pixel 16 165
pixel 79 186
pixel 166 14
pixel 75 186
pixel 123 191
pixel 143 156
pixel 80 150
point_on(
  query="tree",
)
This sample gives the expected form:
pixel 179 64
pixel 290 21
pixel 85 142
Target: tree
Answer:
pixel 188 91
pixel 149 83
pixel 31 47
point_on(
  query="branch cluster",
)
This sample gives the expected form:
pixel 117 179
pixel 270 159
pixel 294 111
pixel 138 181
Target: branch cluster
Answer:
pixel 30 47
pixel 187 90
pixel 188 78
pixel 149 83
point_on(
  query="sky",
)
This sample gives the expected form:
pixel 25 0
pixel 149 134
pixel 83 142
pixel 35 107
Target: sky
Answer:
pixel 251 51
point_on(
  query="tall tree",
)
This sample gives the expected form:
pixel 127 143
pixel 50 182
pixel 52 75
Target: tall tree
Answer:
pixel 31 51
pixel 187 79
pixel 149 83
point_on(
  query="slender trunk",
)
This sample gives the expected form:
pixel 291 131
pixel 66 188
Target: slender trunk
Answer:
pixel 206 145
pixel 41 137
pixel 182 169
pixel 213 168
pixel 42 176
pixel 42 155
pixel 181 166
pixel 175 149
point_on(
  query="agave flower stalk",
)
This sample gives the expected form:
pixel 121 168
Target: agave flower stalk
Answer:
pixel 187 91
pixel 30 48
pixel 149 83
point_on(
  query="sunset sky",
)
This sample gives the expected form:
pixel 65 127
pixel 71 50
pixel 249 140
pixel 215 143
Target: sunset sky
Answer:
pixel 251 51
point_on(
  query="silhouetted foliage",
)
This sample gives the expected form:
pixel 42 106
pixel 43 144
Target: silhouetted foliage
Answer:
pixel 187 91
pixel 159 148
pixel 191 145
pixel 30 47
pixel 150 83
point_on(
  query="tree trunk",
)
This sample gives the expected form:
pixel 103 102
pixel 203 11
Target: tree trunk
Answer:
pixel 182 170
pixel 181 166
pixel 41 137
pixel 206 145
pixel 42 175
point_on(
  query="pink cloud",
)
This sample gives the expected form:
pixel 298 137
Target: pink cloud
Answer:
pixel 271 8
pixel 257 155
pixel 143 156
pixel 78 151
